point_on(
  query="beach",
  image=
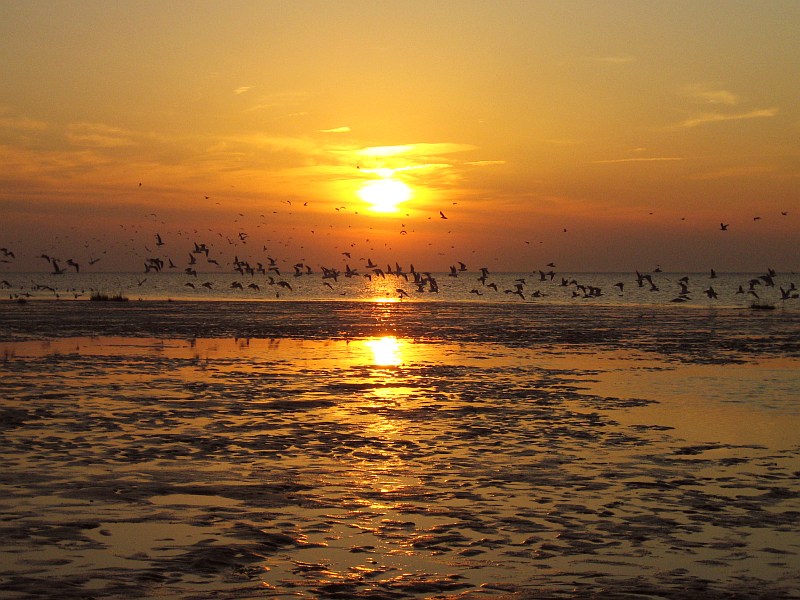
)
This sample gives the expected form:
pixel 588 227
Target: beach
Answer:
pixel 312 449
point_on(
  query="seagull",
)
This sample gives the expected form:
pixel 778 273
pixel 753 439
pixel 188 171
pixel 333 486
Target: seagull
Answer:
pixel 723 226
pixel 56 269
pixel 441 214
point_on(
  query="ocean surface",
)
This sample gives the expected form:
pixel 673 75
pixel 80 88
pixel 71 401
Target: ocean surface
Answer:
pixel 364 446
pixel 694 289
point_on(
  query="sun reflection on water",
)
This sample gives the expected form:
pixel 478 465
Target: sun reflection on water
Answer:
pixel 387 350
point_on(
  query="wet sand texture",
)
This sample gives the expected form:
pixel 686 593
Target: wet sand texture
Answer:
pixel 286 468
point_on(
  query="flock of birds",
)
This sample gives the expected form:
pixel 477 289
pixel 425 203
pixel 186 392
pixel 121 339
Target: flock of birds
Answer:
pixel 255 275
pixel 200 258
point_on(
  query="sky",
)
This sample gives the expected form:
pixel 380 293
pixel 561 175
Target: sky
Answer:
pixel 600 136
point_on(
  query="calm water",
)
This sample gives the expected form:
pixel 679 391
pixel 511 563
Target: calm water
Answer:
pixel 384 467
pixel 732 289
pixel 549 448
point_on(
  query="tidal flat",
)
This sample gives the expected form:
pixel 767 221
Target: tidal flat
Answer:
pixel 387 458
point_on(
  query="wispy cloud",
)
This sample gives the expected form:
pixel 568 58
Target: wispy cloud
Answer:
pixel 718 117
pixel 22 123
pixel 613 60
pixel 486 163
pixel 242 89
pixel 638 159
pixel 744 171
pixel 563 141
pixel 335 130
pixel 423 149
pixel 98 135
pixel 710 93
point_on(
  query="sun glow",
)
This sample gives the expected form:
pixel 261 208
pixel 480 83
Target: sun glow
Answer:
pixel 386 351
pixel 384 195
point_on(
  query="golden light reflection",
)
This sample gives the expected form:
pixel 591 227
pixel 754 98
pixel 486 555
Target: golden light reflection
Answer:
pixel 386 350
pixel 384 195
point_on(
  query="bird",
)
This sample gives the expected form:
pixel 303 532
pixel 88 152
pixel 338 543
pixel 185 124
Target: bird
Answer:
pixel 441 214
pixel 57 270
pixel 723 226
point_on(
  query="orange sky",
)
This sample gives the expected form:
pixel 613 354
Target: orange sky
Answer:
pixel 603 136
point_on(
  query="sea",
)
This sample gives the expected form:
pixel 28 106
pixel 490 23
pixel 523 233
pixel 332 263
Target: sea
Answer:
pixel 548 439
pixel 730 290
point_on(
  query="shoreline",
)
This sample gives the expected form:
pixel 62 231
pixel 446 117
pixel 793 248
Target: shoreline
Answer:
pixel 681 333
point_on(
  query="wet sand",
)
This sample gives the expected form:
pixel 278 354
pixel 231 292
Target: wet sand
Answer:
pixel 384 452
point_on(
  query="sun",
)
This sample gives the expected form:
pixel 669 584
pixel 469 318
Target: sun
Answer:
pixel 384 194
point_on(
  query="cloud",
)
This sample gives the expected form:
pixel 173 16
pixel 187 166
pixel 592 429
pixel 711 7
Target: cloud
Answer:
pixel 614 60
pixel 563 141
pixel 638 159
pixel 98 135
pixel 242 89
pixel 423 149
pixel 335 130
pixel 486 163
pixel 22 123
pixel 717 117
pixel 710 94
pixel 745 171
